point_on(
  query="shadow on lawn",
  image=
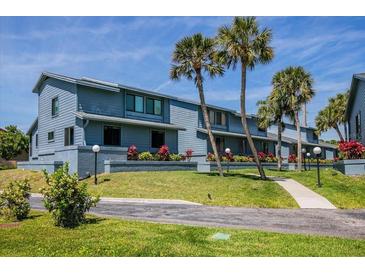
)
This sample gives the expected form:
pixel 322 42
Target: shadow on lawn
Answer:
pixel 233 174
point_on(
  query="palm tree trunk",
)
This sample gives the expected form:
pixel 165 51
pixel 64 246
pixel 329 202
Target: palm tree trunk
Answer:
pixel 339 133
pixel 244 121
pixel 305 114
pixel 280 129
pixel 299 146
pixel 199 84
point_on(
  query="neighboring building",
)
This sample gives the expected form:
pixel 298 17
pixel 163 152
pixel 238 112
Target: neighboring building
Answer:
pixel 74 114
pixel 355 113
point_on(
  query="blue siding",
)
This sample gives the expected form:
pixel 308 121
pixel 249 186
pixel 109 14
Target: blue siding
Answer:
pixel 235 125
pixel 66 93
pixel 186 115
pixel 358 105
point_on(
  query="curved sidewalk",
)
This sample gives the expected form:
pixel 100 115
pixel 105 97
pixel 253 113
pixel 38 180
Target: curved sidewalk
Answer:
pixel 305 197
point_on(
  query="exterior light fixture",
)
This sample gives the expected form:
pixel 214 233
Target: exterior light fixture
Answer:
pixel 228 155
pixel 308 161
pixel 303 152
pixel 95 149
pixel 317 151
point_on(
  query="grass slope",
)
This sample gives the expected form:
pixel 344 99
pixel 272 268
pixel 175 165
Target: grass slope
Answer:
pixel 236 189
pixel 37 236
pixel 341 190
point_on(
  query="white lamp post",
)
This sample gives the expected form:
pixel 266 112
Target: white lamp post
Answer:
pixel 228 152
pixel 95 149
pixel 304 151
pixel 317 151
pixel 308 161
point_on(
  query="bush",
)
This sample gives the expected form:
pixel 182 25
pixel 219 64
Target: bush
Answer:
pixel 292 158
pixel 132 153
pixel 145 156
pixel 163 153
pixel 351 150
pixel 175 157
pixel 238 158
pixel 262 156
pixel 188 154
pixel 210 157
pixel 14 200
pixel 66 198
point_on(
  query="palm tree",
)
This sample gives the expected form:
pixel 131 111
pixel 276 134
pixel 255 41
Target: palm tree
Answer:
pixel 243 43
pixel 333 115
pixel 271 111
pixel 296 83
pixel 326 119
pixel 192 56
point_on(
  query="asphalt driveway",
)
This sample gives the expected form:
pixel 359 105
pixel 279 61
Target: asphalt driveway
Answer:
pixel 330 222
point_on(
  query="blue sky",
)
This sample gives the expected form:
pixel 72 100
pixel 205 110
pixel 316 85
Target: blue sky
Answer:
pixel 136 51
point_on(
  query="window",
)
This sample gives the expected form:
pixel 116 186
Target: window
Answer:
pixel 55 106
pixel 134 103
pixel 51 136
pixel 69 136
pixel 111 136
pixel 153 106
pixel 217 118
pixel 157 139
pixel 358 126
pixel 30 145
pixel 36 141
pixel 265 147
pixel 219 141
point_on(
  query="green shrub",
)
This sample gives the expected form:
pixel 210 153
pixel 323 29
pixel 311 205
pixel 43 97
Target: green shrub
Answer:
pixel 66 198
pixel 239 158
pixel 175 157
pixel 145 156
pixel 14 200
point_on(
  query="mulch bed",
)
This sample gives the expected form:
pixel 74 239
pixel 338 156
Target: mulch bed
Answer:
pixel 11 225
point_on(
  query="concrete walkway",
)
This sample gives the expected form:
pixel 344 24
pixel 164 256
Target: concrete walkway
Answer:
pixel 305 197
pixel 342 223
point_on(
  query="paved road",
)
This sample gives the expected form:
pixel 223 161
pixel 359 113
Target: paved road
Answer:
pixel 333 222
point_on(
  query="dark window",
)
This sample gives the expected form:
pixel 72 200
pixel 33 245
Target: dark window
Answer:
pixel 157 138
pixel 111 136
pixel 265 147
pixel 50 136
pixel 36 140
pixel 30 145
pixel 217 118
pixel 153 106
pixel 358 126
pixel 55 106
pixel 219 141
pixel 134 103
pixel 69 136
pixel 130 102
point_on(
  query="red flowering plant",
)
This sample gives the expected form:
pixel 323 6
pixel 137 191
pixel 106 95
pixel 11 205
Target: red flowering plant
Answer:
pixel 292 158
pixel 271 158
pixel 210 157
pixel 163 154
pixel 132 153
pixel 351 150
pixel 262 156
pixel 188 154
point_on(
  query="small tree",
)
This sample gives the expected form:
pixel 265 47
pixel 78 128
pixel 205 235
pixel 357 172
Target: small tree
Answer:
pixel 12 142
pixel 66 198
pixel 14 200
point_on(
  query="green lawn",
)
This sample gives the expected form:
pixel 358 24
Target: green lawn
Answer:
pixel 112 237
pixel 341 190
pixel 237 189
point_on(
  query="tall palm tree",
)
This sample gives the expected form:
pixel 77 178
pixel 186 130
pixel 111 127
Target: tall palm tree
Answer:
pixel 333 115
pixel 192 56
pixel 326 119
pixel 297 85
pixel 271 111
pixel 243 43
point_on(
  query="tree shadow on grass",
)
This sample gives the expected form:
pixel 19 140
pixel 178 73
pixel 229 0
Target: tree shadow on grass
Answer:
pixel 92 220
pixel 235 175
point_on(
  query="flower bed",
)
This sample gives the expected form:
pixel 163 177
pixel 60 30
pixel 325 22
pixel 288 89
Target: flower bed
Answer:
pixel 351 158
pixel 163 154
pixel 265 158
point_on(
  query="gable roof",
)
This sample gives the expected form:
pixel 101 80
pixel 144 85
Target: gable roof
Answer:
pixel 355 79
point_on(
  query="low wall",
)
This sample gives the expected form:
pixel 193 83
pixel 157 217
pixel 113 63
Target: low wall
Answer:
pixel 351 167
pixel 111 166
pixel 241 165
pixel 49 166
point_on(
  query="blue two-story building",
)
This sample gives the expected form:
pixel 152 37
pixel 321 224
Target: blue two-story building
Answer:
pixel 75 114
